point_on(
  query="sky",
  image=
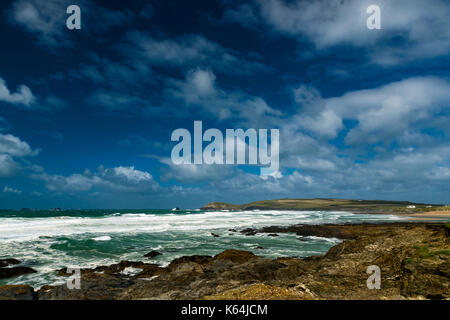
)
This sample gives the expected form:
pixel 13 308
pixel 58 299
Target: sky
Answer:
pixel 86 115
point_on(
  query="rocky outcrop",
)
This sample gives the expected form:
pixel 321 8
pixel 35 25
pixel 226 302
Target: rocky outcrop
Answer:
pixel 413 259
pixel 340 231
pixel 6 271
pixel 237 256
pixel 17 292
pixel 15 272
pixel 8 262
pixel 220 206
pixel 152 254
pixel 120 269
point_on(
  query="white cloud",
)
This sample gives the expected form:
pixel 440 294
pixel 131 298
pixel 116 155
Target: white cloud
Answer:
pixel 194 173
pixel 41 18
pixel 423 25
pixel 7 189
pixel 23 96
pixel 126 174
pixel 326 124
pixel 118 179
pixel 46 20
pixel 382 113
pixel 13 146
pixel 8 167
pixel 324 22
pixel 202 82
pixel 200 89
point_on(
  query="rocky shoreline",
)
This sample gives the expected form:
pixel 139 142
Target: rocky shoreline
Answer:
pixel 413 258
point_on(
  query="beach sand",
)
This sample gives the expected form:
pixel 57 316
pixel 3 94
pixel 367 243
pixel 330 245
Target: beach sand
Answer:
pixel 431 215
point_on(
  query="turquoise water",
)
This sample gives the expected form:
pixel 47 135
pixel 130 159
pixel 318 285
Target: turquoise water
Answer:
pixel 50 240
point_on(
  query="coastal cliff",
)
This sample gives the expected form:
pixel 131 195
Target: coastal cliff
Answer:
pixel 413 258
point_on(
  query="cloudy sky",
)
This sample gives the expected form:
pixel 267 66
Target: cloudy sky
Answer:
pixel 86 115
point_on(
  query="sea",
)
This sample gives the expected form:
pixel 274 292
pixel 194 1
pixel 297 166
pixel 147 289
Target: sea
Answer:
pixel 51 240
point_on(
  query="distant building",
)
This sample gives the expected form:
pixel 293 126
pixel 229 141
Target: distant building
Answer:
pixel 410 206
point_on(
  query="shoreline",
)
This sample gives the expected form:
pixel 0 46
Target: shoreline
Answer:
pixel 413 253
pixel 437 215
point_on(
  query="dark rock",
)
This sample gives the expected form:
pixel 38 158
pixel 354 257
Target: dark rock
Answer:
pixel 199 259
pixel 152 254
pixel 237 256
pixel 214 235
pixel 148 269
pixel 93 287
pixel 248 232
pixel 8 262
pixel 273 235
pixel 15 272
pixel 413 259
pixel 17 292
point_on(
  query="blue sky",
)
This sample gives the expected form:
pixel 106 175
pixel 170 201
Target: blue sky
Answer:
pixel 86 115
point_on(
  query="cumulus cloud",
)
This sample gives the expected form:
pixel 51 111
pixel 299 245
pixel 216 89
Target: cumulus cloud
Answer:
pixel 381 113
pixel 193 173
pixel 25 99
pixel 201 82
pixel 13 146
pixel 8 167
pixel 200 89
pixel 423 27
pixel 118 179
pixel 12 152
pixel 46 20
pixel 23 96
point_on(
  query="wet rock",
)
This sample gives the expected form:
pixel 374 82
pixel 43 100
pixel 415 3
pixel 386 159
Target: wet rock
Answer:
pixel 248 232
pixel 17 292
pixel 413 259
pixel 237 256
pixel 93 287
pixel 340 231
pixel 118 269
pixel 273 235
pixel 8 262
pixel 15 272
pixel 152 254
pixel 215 235
pixel 199 259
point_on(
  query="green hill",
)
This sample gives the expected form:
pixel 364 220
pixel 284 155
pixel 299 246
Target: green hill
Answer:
pixel 364 206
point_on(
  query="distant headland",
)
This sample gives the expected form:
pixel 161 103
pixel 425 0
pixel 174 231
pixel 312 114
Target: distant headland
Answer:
pixel 326 204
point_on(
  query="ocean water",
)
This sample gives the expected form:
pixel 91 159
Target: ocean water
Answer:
pixel 50 240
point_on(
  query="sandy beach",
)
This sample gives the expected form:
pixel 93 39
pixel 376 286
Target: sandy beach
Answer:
pixel 430 215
